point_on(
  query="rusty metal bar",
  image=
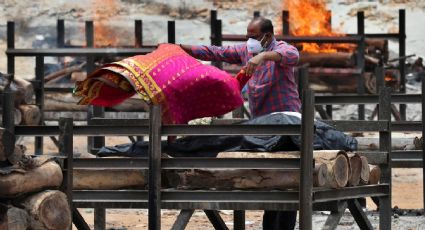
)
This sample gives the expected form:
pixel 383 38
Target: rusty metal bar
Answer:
pixel 154 168
pixel 60 33
pixel 108 52
pixel 66 149
pixel 39 100
pixel 423 132
pixel 306 180
pixel 285 23
pixel 385 210
pixel 138 33
pixel 171 31
pixel 10 45
pixel 360 62
pixel 402 53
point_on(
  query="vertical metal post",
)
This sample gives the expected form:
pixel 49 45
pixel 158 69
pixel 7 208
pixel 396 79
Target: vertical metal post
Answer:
pixel 385 146
pixel 302 80
pixel 60 29
pixel 256 14
pixel 306 182
pixel 171 31
pixel 402 61
pixel 213 19
pixel 285 22
pixel 423 132
pixel 380 82
pixel 93 143
pixel 10 45
pixel 360 61
pixel 154 168
pixel 66 149
pixel 39 100
pixel 239 219
pixel 138 33
pixel 219 40
pixel 99 218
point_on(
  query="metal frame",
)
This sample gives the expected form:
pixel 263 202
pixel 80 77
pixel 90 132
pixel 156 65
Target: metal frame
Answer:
pixel 217 38
pixel 154 198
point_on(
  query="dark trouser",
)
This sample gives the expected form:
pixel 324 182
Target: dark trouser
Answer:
pixel 279 220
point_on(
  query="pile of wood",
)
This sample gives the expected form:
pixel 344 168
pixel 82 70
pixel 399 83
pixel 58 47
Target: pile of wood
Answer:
pixel 25 112
pixel 29 198
pixel 333 169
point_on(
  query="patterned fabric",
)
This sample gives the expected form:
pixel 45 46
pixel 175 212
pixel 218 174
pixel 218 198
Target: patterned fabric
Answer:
pixel 185 88
pixel 272 87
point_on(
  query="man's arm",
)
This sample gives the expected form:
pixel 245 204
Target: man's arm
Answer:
pixel 285 54
pixel 229 54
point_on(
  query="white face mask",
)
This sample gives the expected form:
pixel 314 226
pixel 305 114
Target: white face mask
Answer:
pixel 254 46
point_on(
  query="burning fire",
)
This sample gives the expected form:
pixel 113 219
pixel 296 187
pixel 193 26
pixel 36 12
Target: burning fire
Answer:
pixel 311 18
pixel 104 10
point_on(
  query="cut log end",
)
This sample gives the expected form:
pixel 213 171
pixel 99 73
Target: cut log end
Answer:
pixel 365 174
pixel 375 174
pixel 48 210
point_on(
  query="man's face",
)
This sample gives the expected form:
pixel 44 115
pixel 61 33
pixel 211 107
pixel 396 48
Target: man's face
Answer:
pixel 254 31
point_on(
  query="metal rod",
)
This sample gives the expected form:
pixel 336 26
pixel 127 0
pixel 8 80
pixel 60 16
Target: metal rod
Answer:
pixel 60 30
pixel 10 45
pixel 66 149
pixel 355 39
pixel 171 32
pixel 401 53
pixel 423 132
pixel 100 52
pixel 138 33
pixel 39 100
pixel 285 23
pixel 385 146
pixel 99 218
pixel 239 219
pixel 256 14
pixel 154 168
pixel 306 181
pixel 361 62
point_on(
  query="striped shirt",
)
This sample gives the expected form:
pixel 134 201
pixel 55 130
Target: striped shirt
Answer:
pixel 272 87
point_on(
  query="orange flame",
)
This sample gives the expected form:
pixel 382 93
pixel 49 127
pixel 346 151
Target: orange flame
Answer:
pixel 311 18
pixel 104 10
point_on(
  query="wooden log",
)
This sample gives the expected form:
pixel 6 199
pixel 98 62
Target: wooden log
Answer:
pixel 63 72
pixel 48 175
pixel 25 87
pixel 365 173
pixel 48 210
pixel 108 179
pixel 337 59
pixel 356 169
pixel 78 76
pixel 375 174
pixel 377 47
pixel 320 174
pixel 18 154
pixel 17 219
pixel 31 114
pixel 338 166
pixel 372 143
pixel 336 161
pixel 228 179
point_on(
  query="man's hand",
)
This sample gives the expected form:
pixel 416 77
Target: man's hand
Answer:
pixel 253 63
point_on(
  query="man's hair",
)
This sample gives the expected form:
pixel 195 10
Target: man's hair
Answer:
pixel 266 25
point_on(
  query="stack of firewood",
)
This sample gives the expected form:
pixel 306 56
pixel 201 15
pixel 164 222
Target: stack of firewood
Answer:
pixel 29 198
pixel 25 112
pixel 333 169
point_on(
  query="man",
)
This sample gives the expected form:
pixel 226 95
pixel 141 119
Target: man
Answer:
pixel 272 87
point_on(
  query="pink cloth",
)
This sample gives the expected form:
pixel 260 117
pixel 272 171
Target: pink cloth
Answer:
pixel 185 88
